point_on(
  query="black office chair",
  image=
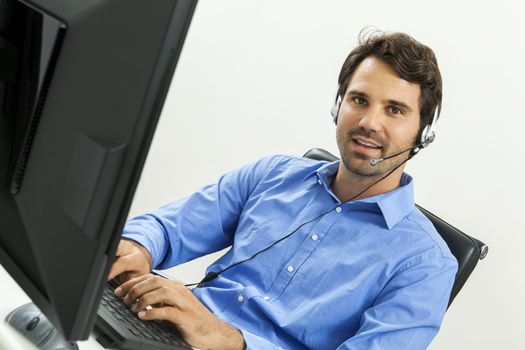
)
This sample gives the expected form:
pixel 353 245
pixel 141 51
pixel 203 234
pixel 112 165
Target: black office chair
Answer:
pixel 467 250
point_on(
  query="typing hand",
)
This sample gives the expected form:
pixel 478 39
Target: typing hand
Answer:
pixel 173 302
pixel 132 260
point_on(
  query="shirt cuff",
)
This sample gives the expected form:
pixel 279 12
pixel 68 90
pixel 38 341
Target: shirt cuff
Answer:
pixel 255 342
pixel 149 234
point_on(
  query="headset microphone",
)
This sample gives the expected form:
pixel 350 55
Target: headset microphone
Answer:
pixel 414 150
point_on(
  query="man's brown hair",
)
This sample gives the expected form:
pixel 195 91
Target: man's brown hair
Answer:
pixel 411 60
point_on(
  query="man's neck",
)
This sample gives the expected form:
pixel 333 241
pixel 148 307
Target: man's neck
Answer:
pixel 346 184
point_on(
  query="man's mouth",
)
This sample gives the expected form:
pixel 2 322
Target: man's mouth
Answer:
pixel 366 144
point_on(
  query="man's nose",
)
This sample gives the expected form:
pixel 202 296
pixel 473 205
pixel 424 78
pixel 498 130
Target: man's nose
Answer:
pixel 371 120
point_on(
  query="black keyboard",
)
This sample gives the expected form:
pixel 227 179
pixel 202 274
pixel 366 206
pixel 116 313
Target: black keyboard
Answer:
pixel 122 329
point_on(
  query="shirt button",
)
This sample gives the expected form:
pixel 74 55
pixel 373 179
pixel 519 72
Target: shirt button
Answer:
pixel 315 237
pixel 290 268
pixel 240 298
pixel 266 298
pixel 319 182
pixel 338 209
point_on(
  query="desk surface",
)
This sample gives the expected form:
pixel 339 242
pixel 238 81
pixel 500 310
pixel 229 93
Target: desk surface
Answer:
pixel 13 296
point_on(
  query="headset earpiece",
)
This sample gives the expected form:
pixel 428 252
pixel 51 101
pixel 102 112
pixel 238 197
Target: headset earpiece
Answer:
pixel 335 108
pixel 337 105
pixel 429 134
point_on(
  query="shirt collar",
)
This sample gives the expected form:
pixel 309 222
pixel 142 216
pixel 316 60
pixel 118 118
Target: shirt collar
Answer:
pixel 394 205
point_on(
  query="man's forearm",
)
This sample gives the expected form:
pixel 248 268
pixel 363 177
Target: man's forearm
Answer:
pixel 229 338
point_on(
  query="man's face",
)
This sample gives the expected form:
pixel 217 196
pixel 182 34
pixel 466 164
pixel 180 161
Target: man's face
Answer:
pixel 379 116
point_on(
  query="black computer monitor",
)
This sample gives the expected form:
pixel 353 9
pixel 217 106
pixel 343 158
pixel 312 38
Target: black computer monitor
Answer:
pixel 82 84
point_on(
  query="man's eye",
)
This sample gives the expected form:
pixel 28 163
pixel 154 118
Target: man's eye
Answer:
pixel 396 111
pixel 359 100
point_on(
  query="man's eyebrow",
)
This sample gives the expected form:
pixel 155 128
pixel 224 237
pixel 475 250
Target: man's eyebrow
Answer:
pixel 357 93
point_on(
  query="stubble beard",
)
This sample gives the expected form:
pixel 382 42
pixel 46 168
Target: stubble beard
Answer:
pixel 359 164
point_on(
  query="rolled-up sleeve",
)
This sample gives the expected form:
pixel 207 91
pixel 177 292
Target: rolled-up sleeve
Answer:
pixel 200 224
pixel 255 342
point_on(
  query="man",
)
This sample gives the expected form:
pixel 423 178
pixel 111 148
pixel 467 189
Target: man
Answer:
pixel 323 255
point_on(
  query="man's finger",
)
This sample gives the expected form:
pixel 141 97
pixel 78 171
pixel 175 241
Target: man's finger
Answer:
pixel 124 288
pixel 140 286
pixel 166 313
pixel 156 297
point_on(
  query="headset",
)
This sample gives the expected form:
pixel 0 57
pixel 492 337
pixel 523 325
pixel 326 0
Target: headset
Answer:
pixel 428 134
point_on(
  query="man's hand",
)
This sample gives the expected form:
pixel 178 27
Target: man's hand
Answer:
pixel 173 302
pixel 132 260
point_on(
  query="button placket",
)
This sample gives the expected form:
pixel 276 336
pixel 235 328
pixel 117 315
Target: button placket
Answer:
pixel 307 247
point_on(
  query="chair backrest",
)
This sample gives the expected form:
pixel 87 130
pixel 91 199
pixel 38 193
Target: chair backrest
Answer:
pixel 467 250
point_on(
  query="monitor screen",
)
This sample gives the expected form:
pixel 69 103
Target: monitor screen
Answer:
pixel 82 85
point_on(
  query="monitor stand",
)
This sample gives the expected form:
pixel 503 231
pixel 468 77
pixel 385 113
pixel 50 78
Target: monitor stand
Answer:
pixel 34 325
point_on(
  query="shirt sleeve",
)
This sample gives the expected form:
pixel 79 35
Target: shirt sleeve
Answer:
pixel 408 312
pixel 200 224
pixel 255 342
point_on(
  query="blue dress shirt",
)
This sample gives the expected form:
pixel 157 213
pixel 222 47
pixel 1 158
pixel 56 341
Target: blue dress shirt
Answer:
pixel 369 274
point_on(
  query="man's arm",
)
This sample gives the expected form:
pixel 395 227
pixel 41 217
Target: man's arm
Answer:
pixel 183 230
pixel 408 312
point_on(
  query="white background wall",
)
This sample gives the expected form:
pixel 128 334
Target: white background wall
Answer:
pixel 258 77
